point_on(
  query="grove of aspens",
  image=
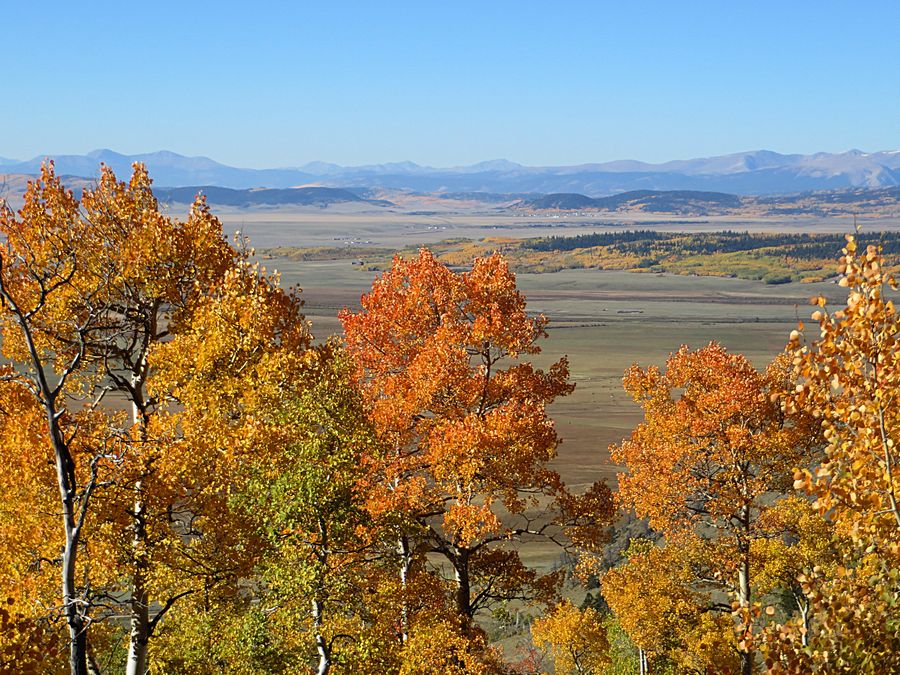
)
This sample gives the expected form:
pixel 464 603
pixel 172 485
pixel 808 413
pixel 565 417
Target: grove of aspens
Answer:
pixel 192 482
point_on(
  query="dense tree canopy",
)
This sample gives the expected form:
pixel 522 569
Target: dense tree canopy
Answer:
pixel 192 484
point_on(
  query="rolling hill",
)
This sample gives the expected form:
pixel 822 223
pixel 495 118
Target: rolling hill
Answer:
pixel 304 196
pixel 672 201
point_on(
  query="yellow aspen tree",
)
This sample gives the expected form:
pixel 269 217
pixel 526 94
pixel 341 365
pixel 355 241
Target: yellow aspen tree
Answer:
pixel 575 638
pixel 848 375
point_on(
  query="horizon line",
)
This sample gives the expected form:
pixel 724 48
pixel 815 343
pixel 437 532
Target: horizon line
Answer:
pixel 10 161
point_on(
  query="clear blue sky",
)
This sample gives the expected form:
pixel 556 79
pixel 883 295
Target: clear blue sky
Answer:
pixel 443 83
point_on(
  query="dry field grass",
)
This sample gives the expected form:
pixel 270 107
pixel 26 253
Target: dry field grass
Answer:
pixel 604 322
pixel 397 228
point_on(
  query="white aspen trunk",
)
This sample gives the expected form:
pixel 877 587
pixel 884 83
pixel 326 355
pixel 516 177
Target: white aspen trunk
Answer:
pixel 804 615
pixel 139 620
pixel 72 516
pixel 463 587
pixel 405 564
pixel 744 583
pixel 321 644
pixel 744 600
pixel 74 620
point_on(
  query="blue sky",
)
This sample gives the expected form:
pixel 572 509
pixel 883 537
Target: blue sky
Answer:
pixel 443 83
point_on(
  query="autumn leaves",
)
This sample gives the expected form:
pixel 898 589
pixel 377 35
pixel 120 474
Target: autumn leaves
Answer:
pixel 191 484
pixel 91 290
pixel 705 468
pixel 466 434
pixel 230 493
pixel 776 496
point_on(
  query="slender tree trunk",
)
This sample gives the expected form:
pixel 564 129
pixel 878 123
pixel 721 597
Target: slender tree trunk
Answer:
pixel 744 582
pixel 405 565
pixel 68 490
pixel 139 620
pixel 322 646
pixel 78 651
pixel 72 521
pixel 74 619
pixel 888 460
pixel 803 604
pixel 65 473
pixel 139 635
pixel 463 587
pixel 744 585
pixel 744 599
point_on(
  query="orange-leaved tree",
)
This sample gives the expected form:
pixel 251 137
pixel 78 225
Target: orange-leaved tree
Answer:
pixel 464 418
pixel 714 451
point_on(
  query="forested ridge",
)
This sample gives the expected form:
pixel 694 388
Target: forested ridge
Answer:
pixel 643 242
pixel 771 257
pixel 192 484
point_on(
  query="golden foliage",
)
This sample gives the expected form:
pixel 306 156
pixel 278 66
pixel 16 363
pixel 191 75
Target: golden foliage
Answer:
pixel 655 598
pixel 576 638
pixel 848 376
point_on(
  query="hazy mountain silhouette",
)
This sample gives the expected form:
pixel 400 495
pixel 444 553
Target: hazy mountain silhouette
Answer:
pixel 757 172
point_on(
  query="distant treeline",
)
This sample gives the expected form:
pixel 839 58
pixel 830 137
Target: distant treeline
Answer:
pixel 650 242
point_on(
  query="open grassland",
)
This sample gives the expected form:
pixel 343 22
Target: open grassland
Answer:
pixel 604 321
pixel 395 229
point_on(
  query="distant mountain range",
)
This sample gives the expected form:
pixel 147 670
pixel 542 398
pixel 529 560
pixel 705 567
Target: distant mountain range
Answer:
pixel 746 173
